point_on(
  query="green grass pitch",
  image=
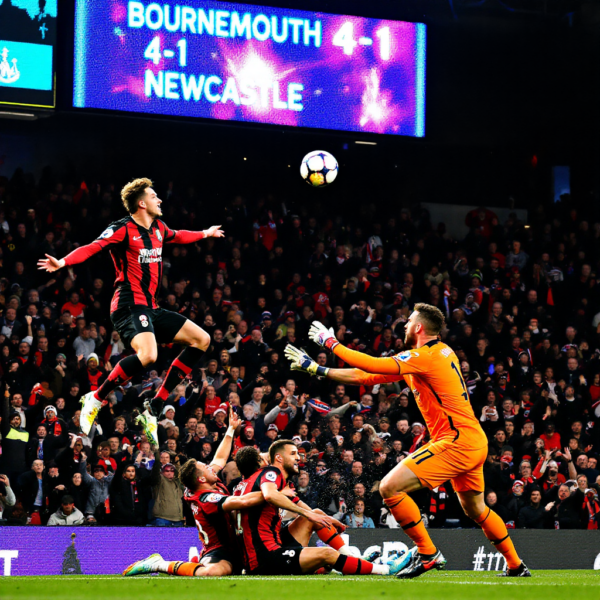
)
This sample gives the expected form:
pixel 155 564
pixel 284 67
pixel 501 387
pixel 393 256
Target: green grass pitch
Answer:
pixel 449 585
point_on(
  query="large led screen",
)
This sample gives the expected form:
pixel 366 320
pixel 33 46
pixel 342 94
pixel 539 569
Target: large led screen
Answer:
pixel 240 62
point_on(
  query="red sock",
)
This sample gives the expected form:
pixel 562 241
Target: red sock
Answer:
pixel 348 565
pixel 331 537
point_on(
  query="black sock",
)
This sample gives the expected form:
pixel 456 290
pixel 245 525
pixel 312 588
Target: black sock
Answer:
pixel 124 370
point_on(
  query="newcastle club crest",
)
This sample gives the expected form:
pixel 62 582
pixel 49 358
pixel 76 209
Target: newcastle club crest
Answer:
pixel 8 74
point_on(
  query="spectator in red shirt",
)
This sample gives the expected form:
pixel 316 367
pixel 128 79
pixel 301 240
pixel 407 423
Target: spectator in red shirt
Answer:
pixel 75 307
pixel 212 401
pixel 550 437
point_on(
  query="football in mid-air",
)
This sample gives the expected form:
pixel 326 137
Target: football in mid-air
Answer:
pixel 319 168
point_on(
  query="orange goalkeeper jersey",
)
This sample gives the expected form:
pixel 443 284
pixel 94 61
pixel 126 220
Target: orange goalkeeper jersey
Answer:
pixel 433 374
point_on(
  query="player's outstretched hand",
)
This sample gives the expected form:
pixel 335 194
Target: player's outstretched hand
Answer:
pixel 300 360
pixel 214 231
pixel 50 264
pixel 322 336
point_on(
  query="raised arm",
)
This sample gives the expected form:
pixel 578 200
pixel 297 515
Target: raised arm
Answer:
pixel 224 449
pixel 567 456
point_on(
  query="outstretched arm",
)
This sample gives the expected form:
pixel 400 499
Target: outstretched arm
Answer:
pixel 359 377
pixel 325 337
pixel 381 366
pixel 78 255
pixel 303 362
pixel 114 234
pixel 278 499
pixel 241 502
pixel 182 236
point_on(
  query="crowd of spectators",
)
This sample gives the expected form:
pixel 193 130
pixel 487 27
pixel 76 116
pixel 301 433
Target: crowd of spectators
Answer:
pixel 523 316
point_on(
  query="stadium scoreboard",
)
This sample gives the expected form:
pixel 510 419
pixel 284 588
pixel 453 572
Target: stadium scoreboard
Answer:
pixel 27 42
pixel 251 63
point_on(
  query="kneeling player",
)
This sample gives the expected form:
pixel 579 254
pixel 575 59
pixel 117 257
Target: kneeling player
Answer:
pixel 210 502
pixel 270 549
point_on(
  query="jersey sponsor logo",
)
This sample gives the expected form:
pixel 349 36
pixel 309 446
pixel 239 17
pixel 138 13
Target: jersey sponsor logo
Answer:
pixel 150 255
pixel 106 234
pixel 447 352
pixel 405 356
pixel 144 320
pixel 270 476
pixel 214 498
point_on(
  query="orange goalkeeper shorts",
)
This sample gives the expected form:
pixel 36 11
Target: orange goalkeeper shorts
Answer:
pixel 438 462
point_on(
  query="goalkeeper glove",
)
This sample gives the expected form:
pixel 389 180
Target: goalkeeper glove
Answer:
pixel 319 334
pixel 303 362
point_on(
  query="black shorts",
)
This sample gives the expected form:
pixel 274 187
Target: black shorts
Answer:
pixel 283 561
pixel 164 324
pixel 219 554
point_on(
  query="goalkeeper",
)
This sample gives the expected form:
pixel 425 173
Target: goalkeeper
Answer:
pixel 458 446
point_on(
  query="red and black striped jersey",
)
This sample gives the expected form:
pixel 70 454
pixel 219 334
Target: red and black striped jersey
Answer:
pixel 137 256
pixel 214 527
pixel 261 525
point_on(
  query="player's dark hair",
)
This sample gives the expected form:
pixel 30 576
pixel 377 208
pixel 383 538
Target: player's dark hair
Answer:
pixel 188 474
pixel 277 447
pixel 247 460
pixel 431 317
pixel 133 192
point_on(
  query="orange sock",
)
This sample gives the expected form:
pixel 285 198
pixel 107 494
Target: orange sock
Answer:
pixel 495 531
pixel 408 516
pixel 330 536
pixel 186 569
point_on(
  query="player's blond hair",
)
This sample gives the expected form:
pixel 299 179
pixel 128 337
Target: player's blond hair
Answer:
pixel 431 317
pixel 133 192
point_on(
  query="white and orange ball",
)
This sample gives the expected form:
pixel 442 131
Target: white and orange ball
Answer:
pixel 319 168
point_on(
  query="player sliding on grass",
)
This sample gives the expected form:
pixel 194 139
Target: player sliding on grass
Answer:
pixel 458 446
pixel 270 549
pixel 136 243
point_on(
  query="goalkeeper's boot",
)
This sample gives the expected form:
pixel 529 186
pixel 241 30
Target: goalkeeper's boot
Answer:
pixel 150 426
pixel 520 571
pixel 419 564
pixel 400 563
pixel 90 406
pixel 142 567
